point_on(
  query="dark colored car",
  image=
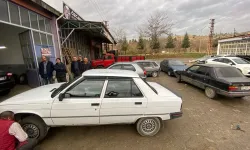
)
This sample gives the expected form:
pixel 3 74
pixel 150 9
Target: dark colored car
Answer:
pixel 216 79
pixel 171 66
pixel 7 82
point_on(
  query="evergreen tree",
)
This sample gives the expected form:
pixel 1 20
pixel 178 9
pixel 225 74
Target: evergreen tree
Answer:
pixel 170 42
pixel 155 44
pixel 124 46
pixel 185 42
pixel 140 44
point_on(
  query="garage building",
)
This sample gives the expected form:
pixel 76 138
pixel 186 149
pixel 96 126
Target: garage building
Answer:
pixel 29 30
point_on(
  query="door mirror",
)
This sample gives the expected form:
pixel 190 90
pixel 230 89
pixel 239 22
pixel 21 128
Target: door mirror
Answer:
pixel 61 96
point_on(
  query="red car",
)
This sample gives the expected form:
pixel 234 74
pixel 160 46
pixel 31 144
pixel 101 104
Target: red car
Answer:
pixel 111 57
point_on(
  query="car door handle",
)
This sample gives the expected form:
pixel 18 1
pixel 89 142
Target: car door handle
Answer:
pixel 95 104
pixel 138 103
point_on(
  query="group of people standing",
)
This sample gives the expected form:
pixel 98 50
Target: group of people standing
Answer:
pixel 46 68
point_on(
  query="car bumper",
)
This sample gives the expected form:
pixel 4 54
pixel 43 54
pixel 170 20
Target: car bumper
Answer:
pixel 175 115
pixel 6 85
pixel 235 94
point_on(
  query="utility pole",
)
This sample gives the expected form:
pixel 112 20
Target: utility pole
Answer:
pixel 234 32
pixel 210 41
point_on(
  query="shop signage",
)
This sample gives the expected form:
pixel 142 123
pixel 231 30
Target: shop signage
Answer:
pixel 46 51
pixel 70 14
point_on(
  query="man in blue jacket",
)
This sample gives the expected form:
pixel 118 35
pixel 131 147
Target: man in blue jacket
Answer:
pixel 46 69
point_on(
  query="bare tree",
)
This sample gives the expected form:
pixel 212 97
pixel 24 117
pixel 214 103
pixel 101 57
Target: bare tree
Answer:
pixel 156 25
pixel 119 34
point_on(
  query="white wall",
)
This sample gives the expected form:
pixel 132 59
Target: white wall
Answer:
pixel 9 37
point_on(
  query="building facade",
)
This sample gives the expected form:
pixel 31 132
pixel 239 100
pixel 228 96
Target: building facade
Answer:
pixel 31 28
pixel 234 46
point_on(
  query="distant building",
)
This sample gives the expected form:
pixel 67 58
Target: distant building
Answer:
pixel 234 46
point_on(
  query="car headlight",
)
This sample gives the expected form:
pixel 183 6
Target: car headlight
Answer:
pixel 246 69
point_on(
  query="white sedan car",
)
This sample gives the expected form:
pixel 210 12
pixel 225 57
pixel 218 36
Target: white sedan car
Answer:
pixel 241 64
pixel 98 97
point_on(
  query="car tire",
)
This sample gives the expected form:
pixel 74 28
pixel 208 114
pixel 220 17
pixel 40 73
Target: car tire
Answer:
pixel 210 92
pixel 23 79
pixel 148 126
pixel 178 78
pixel 155 74
pixel 6 92
pixel 35 127
pixel 169 73
pixel 99 67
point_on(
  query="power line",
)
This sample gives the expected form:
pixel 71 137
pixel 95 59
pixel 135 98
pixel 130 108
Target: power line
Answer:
pixel 97 9
pixel 100 9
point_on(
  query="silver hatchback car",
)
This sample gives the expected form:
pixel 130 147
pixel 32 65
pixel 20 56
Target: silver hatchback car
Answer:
pixel 151 67
pixel 130 66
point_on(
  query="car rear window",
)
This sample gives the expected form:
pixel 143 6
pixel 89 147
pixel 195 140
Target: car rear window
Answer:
pixel 150 87
pixel 228 72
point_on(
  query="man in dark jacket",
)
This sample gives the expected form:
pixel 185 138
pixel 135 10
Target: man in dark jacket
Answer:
pixel 75 67
pixel 46 69
pixel 86 64
pixel 80 61
pixel 60 71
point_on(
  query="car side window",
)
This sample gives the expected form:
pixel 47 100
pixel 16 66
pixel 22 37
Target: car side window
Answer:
pixel 122 89
pixel 193 69
pixel 202 70
pixel 128 67
pixel 116 67
pixel 218 60
pixel 108 57
pixel 227 61
pixel 89 88
pixel 155 64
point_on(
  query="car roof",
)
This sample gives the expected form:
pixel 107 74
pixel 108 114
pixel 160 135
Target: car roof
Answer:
pixel 143 61
pixel 230 57
pixel 212 65
pixel 110 73
pixel 125 63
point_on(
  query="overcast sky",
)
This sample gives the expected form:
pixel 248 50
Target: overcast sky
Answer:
pixel 189 15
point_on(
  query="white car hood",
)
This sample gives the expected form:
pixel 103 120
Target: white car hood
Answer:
pixel 39 95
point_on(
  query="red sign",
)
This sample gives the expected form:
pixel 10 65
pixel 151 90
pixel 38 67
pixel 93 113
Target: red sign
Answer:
pixel 46 51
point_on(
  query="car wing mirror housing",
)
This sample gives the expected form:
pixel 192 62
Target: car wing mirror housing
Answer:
pixel 61 96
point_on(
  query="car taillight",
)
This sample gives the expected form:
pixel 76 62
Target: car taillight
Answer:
pixel 232 88
pixel 9 74
pixel 145 72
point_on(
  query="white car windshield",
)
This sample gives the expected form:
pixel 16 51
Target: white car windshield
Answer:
pixel 240 61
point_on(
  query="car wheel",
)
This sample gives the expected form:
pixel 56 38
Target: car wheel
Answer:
pixel 6 92
pixel 148 126
pixel 35 127
pixel 154 74
pixel 23 79
pixel 178 78
pixel 99 67
pixel 210 93
pixel 169 73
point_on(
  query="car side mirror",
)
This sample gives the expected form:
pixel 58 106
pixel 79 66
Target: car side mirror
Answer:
pixel 61 96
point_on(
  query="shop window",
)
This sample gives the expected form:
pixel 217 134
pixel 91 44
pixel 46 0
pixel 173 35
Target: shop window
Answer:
pixel 14 13
pixel 47 25
pixel 4 11
pixel 41 23
pixel 37 38
pixel 24 17
pixel 33 20
pixel 50 41
pixel 44 39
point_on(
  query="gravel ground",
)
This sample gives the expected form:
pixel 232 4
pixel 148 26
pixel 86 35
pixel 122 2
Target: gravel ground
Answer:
pixel 206 125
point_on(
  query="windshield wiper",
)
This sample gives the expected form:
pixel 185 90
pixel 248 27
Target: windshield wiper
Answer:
pixel 52 90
